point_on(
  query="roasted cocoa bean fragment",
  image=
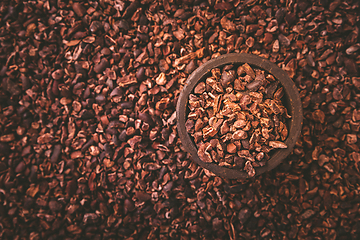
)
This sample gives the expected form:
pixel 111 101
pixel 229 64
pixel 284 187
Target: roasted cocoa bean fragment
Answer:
pixel 56 153
pixel 253 86
pixel 200 88
pixel 95 26
pixel 20 167
pixel 130 10
pixel 277 144
pixel 100 67
pixel 244 215
pixel 284 41
pixel 55 206
pixel 79 9
pixel 249 71
pixel 231 148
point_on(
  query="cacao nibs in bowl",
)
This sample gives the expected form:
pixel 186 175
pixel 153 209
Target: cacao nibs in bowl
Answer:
pixel 239 115
pixel 237 118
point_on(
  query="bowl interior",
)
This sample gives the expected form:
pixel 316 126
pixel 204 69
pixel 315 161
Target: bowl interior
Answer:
pixel 291 101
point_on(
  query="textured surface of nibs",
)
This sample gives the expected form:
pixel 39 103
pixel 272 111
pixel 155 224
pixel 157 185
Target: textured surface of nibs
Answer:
pixel 238 115
pixel 89 147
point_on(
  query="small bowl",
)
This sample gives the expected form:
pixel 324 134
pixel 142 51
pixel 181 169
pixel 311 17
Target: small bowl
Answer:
pixel 291 101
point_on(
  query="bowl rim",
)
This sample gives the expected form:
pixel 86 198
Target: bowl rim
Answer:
pixel 289 87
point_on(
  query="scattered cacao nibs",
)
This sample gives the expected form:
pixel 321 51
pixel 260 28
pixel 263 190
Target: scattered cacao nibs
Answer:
pixel 89 147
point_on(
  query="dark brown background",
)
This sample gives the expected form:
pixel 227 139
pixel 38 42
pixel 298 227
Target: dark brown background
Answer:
pixel 88 140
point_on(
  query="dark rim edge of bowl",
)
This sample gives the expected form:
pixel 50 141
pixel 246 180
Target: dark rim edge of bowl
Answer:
pixel 254 60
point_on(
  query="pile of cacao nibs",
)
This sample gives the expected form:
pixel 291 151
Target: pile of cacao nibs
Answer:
pixel 237 117
pixel 89 147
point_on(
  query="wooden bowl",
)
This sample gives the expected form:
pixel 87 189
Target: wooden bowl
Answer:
pixel 291 101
